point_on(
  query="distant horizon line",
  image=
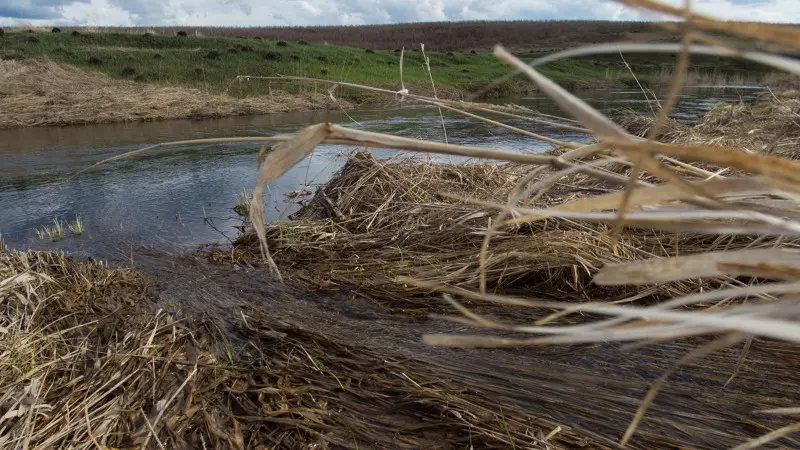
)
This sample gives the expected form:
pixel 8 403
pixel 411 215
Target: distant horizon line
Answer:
pixel 448 22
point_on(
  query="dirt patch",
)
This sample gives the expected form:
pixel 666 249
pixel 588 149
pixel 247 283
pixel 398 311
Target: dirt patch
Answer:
pixel 36 93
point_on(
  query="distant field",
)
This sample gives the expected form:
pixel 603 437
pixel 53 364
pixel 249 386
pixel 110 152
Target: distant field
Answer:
pixel 212 63
pixel 444 36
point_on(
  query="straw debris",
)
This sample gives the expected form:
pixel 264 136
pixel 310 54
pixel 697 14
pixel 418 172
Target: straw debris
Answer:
pixel 380 220
pixel 90 360
pixel 770 126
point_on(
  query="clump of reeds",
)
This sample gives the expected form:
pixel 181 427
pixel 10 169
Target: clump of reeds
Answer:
pixel 242 206
pixel 53 233
pixel 76 227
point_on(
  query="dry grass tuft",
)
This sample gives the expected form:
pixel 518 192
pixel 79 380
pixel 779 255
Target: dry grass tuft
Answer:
pixel 771 126
pixel 380 220
pixel 45 93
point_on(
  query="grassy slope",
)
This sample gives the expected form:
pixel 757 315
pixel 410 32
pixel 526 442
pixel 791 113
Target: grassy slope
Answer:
pixel 190 61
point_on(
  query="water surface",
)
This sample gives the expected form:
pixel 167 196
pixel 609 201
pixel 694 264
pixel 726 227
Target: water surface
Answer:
pixel 181 197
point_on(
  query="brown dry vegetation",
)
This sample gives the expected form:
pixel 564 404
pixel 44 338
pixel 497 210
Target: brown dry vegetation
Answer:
pixel 380 220
pixel 91 361
pixel 771 126
pixel 44 93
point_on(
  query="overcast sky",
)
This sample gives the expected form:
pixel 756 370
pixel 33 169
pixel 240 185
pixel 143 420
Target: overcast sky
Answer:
pixel 353 12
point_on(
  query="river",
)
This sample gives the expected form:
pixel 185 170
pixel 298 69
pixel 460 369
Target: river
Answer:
pixel 181 197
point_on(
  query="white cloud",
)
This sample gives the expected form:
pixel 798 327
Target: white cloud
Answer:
pixel 348 12
pixel 98 12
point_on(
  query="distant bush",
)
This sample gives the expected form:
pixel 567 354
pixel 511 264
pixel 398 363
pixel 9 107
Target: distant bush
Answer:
pixel 157 56
pixel 233 50
pixel 95 61
pixel 450 54
pixel 129 72
pixel 272 56
pixel 465 70
pixel 76 33
pixel 2 33
pixel 389 63
pixel 55 30
pixel 303 43
pixel 213 54
pixel 369 50
pixel 258 38
pixel 282 44
pixel 198 71
pixel 397 50
pixel 29 31
pixel 32 40
pixel 295 58
pixel 323 71
pixel 473 52
pixel 322 58
pixel 181 33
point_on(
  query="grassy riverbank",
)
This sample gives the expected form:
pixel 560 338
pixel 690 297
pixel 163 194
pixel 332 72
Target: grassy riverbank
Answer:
pixel 212 64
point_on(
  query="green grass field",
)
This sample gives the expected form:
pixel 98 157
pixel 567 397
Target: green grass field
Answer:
pixel 212 63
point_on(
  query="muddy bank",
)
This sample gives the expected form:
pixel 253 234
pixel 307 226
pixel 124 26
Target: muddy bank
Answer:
pixel 36 93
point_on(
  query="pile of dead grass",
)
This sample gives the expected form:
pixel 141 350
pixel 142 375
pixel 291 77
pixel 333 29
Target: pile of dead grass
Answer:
pixel 771 126
pixel 45 93
pixel 377 221
pixel 89 361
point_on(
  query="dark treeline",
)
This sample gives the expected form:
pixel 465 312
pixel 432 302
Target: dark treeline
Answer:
pixel 454 36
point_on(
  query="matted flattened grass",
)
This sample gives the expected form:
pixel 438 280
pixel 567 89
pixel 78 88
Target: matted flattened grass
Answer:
pixel 89 360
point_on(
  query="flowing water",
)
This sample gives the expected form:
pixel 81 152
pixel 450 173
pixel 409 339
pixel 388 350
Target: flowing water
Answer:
pixel 180 197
